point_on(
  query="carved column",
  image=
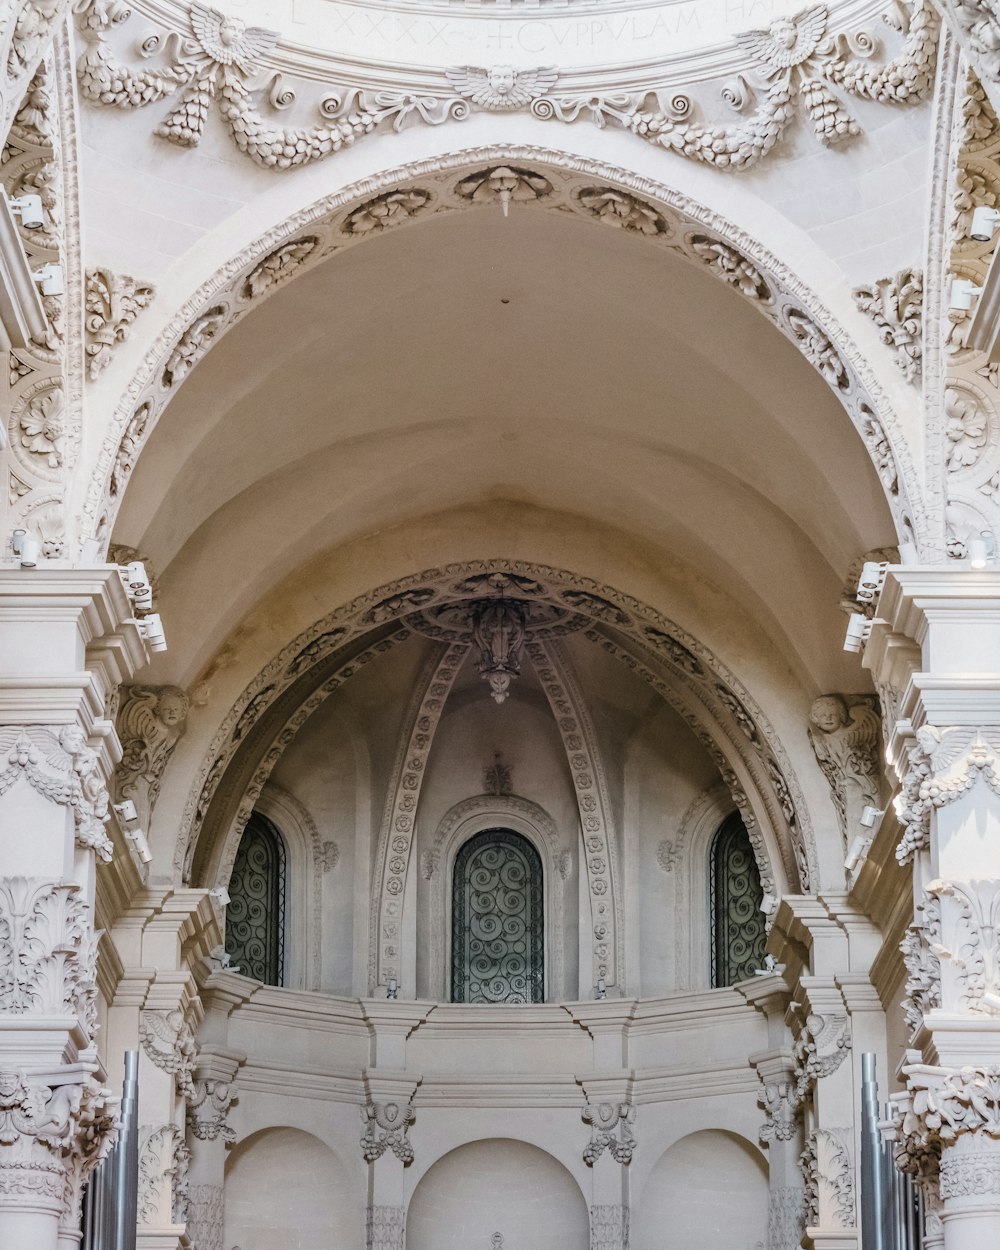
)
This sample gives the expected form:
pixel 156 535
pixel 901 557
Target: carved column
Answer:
pixel 937 657
pixel 387 1116
pixel 66 641
pixel 209 1134
pixel 780 1099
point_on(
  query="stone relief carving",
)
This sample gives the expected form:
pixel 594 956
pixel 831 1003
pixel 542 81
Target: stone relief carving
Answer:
pixel 845 733
pixel 938 1107
pixel 399 818
pixel 832 1177
pixel 800 66
pixel 206 1227
pixel 966 428
pixel 896 305
pixel 163 1156
pixel 113 301
pixel 819 1050
pixel 151 721
pixel 786 1217
pixel 226 299
pixel 43 413
pixel 504 185
pixel 922 950
pixel 942 765
pixel 385 1227
pixel 611 1130
pixel 323 639
pixel 95 1133
pixel 782 1107
pixel 609 1226
pixel 167 1039
pixel 498 777
pixel 966 917
pixel 387 1127
pixel 208 1110
pixel 47 950
pixel 278 266
pixel 498 632
pixel 328 857
pixel 61 767
pixel 667 855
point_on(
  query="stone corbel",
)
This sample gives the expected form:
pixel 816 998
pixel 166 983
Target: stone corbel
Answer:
pixel 610 1111
pixel 387 1115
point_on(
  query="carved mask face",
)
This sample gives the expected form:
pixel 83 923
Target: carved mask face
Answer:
pixel 502 79
pixel 171 710
pixel 784 33
pixel 828 715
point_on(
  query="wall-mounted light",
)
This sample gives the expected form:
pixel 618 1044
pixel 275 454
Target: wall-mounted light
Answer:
pixel 26 547
pixel 964 294
pixel 152 631
pixel 29 209
pixel 870 815
pixel 221 895
pixel 392 989
pixel 50 279
pixel 984 223
pixel 982 549
pixel 859 630
pixel 871 581
pixel 601 988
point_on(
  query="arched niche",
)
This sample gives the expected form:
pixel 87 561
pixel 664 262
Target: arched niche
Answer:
pixel 464 821
pixel 686 1203
pixel 497 1185
pixel 285 1187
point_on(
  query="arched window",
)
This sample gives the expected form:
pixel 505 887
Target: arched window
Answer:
pixel 255 915
pixel 738 933
pixel 497 925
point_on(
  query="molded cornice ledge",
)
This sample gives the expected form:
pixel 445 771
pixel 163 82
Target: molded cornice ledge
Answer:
pixel 390 1022
pixel 67 638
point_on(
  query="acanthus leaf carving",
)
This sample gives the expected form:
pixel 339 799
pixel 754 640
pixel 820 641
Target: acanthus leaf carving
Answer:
pixel 896 306
pixel 113 301
pixel 921 949
pixel 387 1127
pixel 611 1131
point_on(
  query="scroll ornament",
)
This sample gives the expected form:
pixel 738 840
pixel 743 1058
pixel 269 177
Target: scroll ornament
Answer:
pixel 797 64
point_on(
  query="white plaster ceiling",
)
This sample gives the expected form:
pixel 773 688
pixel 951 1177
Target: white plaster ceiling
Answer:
pixel 618 385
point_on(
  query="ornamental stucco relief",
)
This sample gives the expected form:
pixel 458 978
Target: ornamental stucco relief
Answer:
pixel 798 66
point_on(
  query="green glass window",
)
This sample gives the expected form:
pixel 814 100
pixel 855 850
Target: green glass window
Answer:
pixel 255 915
pixel 738 933
pixel 497 925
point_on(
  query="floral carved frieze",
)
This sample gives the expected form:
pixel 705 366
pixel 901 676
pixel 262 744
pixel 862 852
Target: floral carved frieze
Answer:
pixel 922 950
pixel 797 67
pixel 896 306
pixel 942 765
pixel 611 1131
pixel 113 301
pixel 386 1126
pixel 61 767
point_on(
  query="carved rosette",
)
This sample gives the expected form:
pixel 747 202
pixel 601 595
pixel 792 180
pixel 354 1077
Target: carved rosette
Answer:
pixel 610 1130
pixel 387 1127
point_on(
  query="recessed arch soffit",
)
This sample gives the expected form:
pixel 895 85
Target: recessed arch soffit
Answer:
pixel 537 180
pixel 713 702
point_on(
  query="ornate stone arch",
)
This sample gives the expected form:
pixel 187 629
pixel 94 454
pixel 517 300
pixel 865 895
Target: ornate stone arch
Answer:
pixel 679 224
pixel 463 821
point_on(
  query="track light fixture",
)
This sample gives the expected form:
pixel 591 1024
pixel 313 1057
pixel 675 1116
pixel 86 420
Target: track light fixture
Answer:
pixel 50 279
pixel 984 223
pixel 982 549
pixel 859 630
pixel 29 209
pixel 26 547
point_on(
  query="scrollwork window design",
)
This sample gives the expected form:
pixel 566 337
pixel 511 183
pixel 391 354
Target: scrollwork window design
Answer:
pixel 255 915
pixel 497 937
pixel 738 931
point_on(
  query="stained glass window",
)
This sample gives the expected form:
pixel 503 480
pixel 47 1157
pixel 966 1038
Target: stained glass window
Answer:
pixel 255 915
pixel 497 933
pixel 738 933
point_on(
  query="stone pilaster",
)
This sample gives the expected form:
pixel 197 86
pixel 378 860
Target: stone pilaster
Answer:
pixel 937 650
pixel 66 642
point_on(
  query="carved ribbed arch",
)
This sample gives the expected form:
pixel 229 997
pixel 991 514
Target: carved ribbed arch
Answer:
pixel 669 220
pixel 712 701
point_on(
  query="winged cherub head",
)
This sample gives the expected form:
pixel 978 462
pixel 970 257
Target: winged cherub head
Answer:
pixel 502 79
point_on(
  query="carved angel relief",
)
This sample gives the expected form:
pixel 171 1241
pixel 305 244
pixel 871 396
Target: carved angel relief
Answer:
pixel 845 732
pixel 151 720
pixel 501 89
